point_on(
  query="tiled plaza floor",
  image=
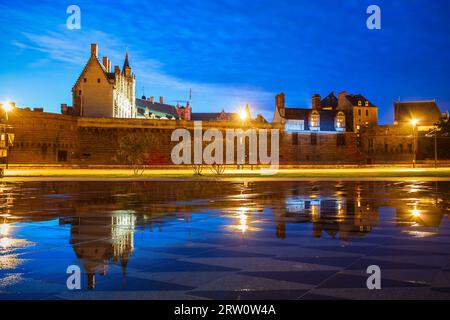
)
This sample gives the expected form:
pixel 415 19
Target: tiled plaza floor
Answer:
pixel 226 247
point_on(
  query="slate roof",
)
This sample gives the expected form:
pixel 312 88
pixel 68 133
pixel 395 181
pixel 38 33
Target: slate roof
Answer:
pixel 426 112
pixel 126 64
pixel 327 117
pixel 167 109
pixel 296 113
pixel 330 101
pixel 354 98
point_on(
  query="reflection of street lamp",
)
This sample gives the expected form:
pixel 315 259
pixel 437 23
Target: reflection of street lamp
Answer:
pixel 414 125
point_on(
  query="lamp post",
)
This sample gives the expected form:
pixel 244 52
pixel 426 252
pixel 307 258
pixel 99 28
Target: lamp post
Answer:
pixel 7 107
pixel 414 124
pixel 434 134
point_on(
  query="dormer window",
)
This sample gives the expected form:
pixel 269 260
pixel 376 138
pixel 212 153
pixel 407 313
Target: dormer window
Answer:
pixel 340 121
pixel 314 121
pixel 359 103
pixel 367 103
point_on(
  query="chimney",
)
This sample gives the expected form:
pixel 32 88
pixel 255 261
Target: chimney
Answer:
pixel 316 101
pixel 279 100
pixel 109 66
pixel 341 99
pixel 161 99
pixel 152 100
pixel 105 63
pixel 187 111
pixel 116 69
pixel 94 50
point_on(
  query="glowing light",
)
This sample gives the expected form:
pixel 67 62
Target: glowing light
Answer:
pixel 415 212
pixel 243 115
pixel 414 122
pixel 7 106
pixel 4 229
pixel 5 242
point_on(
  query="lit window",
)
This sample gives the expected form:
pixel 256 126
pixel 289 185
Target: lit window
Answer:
pixel 340 121
pixel 359 103
pixel 314 120
pixel 367 103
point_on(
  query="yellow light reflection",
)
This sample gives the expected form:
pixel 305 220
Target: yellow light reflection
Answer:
pixel 4 229
pixel 242 222
pixel 6 242
pixel 415 212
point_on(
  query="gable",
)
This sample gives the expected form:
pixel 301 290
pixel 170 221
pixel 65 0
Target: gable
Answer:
pixel 94 69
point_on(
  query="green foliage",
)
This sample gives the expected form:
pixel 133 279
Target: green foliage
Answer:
pixel 443 126
pixel 134 148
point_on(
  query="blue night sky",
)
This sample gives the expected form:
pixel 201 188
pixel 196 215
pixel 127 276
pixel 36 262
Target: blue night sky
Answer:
pixel 231 52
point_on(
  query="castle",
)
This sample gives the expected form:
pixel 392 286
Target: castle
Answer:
pixel 335 130
pixel 100 93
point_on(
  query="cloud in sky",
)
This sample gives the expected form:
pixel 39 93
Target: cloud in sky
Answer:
pixel 59 46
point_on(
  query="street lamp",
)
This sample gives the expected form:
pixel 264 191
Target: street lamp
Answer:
pixel 7 107
pixel 243 115
pixel 414 125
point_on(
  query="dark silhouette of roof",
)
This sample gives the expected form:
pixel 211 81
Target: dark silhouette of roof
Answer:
pixel 426 112
pixel 330 101
pixel 354 98
pixel 296 113
pixel 126 63
pixel 159 107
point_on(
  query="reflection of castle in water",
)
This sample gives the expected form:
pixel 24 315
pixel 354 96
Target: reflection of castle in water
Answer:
pixel 103 216
pixel 98 241
pixel 341 211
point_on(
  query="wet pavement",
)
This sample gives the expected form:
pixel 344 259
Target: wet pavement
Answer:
pixel 225 240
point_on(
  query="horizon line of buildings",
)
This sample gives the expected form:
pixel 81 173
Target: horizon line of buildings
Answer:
pixel 336 129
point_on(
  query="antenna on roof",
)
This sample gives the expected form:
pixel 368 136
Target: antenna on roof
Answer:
pixel 190 94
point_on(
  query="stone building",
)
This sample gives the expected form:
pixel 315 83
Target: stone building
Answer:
pixel 397 143
pixel 317 135
pixel 101 92
pixel 147 108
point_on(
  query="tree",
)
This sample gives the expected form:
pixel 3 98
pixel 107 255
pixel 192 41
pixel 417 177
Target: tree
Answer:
pixel 443 126
pixel 134 149
pixel 197 168
pixel 218 169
